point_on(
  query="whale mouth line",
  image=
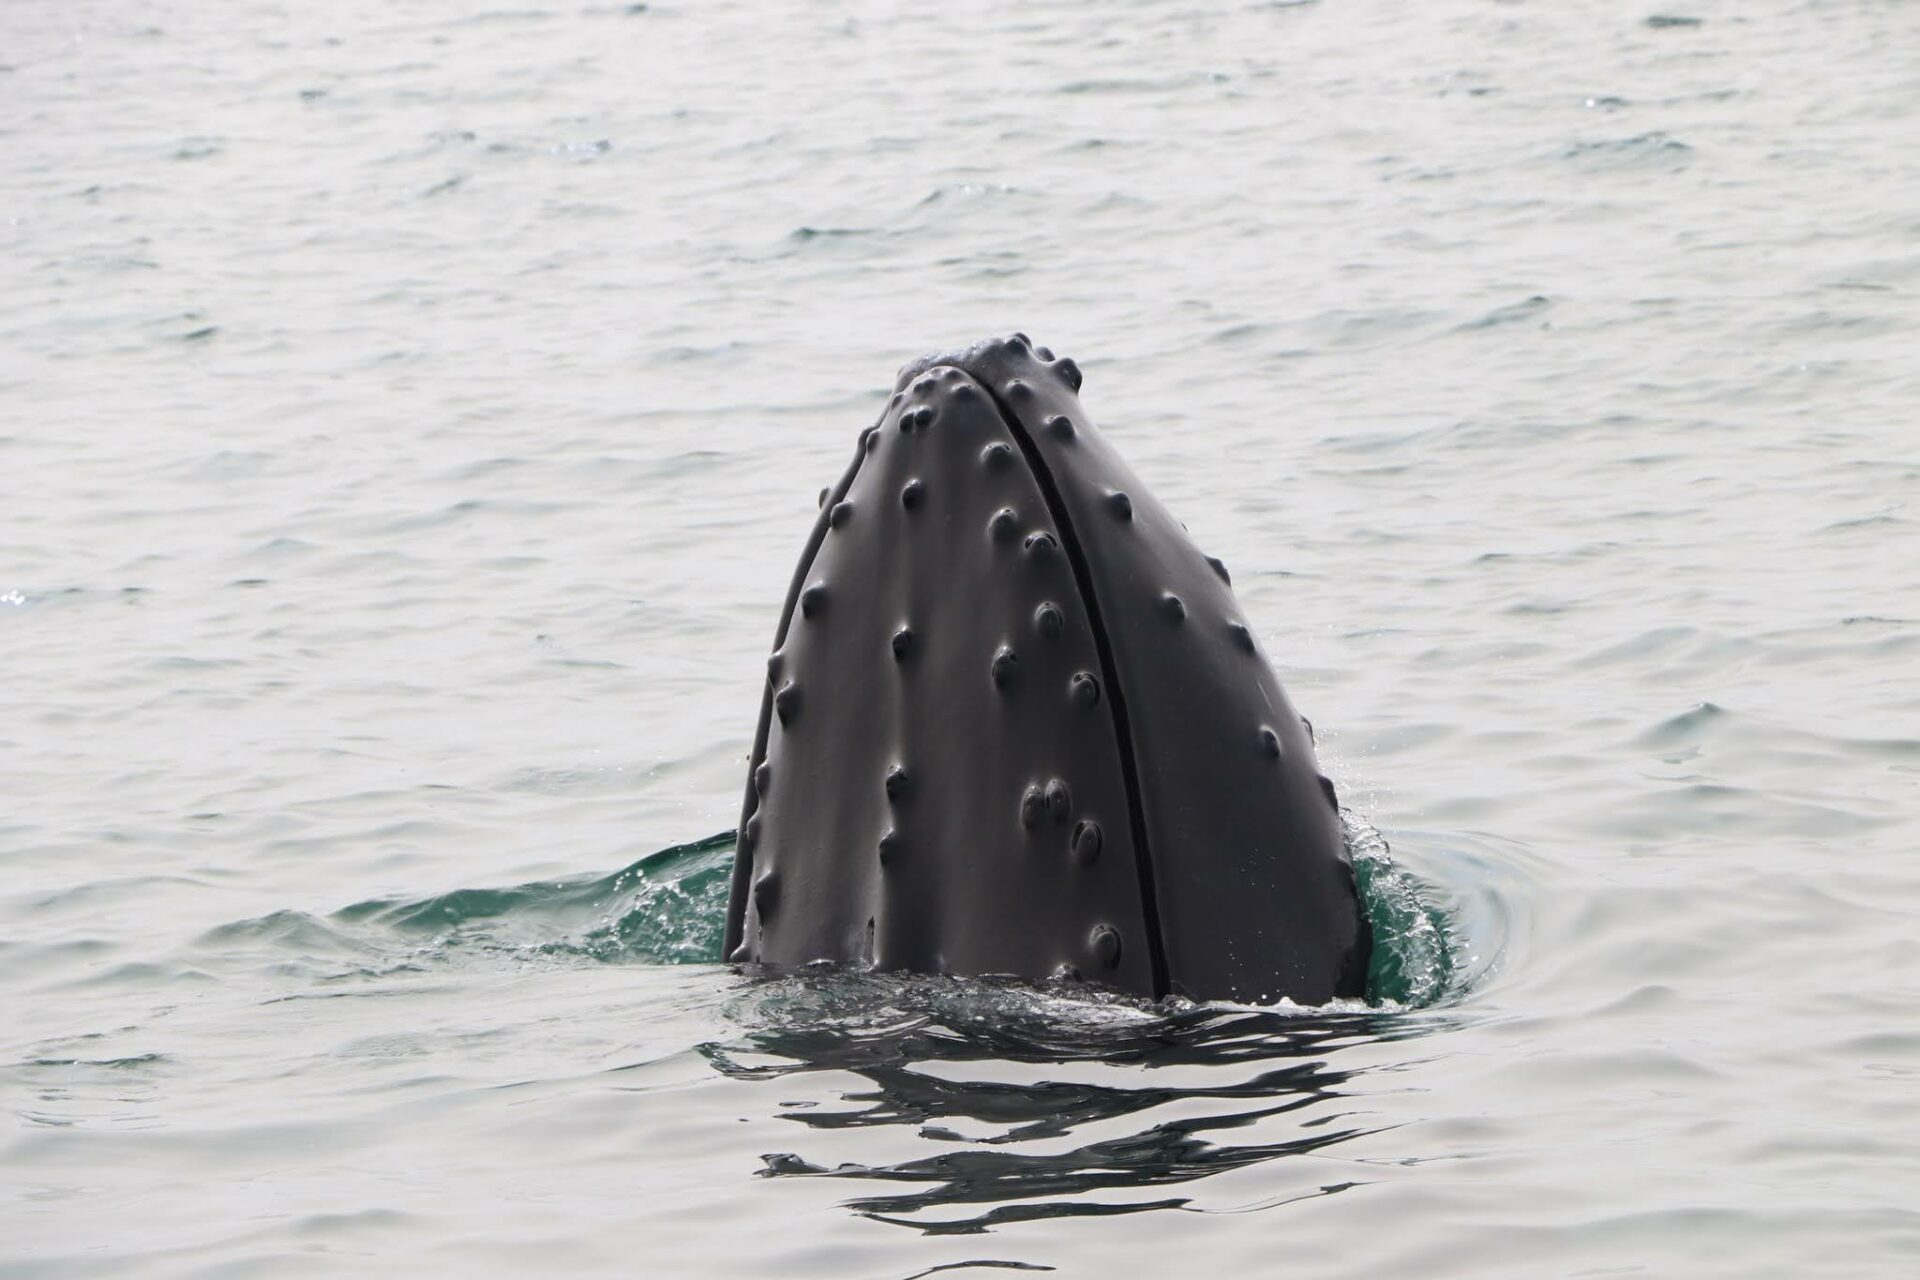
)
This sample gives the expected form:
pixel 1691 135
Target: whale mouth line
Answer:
pixel 733 934
pixel 1109 676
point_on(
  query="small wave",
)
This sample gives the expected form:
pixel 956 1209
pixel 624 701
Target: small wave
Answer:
pixel 1143 84
pixel 803 234
pixel 1413 945
pixel 669 908
pixel 1655 149
pixel 1687 728
pixel 129 1063
pixel 282 931
pixel 1511 313
pixel 666 908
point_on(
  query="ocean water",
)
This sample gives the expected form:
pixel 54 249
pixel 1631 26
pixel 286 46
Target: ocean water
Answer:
pixel 410 412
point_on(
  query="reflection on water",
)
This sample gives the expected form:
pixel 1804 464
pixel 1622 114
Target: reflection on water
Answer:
pixel 1015 1101
pixel 1118 1099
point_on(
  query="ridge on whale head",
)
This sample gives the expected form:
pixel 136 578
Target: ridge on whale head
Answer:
pixel 1016 723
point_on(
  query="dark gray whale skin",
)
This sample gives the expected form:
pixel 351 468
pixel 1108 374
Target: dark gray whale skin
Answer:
pixel 1016 723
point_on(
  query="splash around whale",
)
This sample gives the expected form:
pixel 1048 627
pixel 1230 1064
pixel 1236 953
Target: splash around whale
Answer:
pixel 1015 722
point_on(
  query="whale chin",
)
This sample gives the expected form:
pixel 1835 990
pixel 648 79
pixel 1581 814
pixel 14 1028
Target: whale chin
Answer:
pixel 1015 722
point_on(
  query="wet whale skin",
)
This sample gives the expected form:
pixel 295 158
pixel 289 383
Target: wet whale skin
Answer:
pixel 1015 722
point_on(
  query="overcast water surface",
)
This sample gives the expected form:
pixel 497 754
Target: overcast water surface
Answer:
pixel 410 413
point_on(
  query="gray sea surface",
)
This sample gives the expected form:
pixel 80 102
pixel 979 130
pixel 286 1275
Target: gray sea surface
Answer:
pixel 409 416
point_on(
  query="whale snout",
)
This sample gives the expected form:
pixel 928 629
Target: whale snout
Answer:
pixel 1016 722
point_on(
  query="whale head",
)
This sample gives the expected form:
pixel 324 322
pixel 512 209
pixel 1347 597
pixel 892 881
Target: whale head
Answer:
pixel 1015 722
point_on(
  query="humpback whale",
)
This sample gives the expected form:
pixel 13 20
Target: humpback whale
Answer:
pixel 1016 723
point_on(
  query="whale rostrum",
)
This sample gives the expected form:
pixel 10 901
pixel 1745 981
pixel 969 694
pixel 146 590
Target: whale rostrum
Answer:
pixel 1016 723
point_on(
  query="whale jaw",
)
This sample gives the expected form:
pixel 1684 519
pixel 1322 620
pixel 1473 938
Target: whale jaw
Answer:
pixel 1015 723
